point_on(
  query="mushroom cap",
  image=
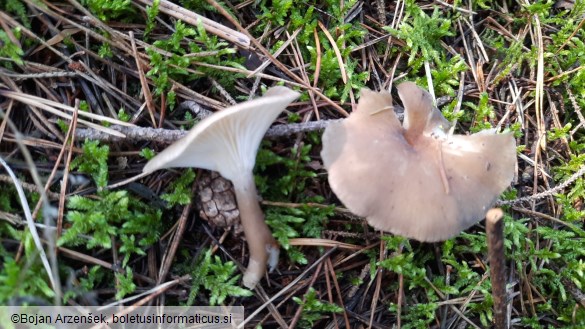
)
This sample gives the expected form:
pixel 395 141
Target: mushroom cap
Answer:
pixel 429 187
pixel 227 141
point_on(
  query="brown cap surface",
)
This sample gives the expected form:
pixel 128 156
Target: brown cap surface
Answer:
pixel 410 180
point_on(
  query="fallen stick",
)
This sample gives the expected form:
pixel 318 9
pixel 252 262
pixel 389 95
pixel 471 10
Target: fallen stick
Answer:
pixel 494 226
pixel 169 135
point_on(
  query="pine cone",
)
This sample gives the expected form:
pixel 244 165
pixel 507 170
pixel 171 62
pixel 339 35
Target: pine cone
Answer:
pixel 216 201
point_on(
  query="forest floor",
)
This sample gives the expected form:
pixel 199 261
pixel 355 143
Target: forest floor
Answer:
pixel 81 81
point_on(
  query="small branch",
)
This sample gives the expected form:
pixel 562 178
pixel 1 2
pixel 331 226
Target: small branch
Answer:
pixel 496 253
pixel 168 136
pixel 546 193
pixel 136 134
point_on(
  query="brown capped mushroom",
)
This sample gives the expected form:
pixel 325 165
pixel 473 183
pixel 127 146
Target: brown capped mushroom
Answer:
pixel 412 179
pixel 227 142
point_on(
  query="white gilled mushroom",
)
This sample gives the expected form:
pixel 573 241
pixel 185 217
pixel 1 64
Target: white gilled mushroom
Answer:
pixel 227 142
pixel 412 179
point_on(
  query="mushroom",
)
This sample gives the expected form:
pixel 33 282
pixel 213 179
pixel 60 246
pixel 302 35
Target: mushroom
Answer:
pixel 413 179
pixel 227 142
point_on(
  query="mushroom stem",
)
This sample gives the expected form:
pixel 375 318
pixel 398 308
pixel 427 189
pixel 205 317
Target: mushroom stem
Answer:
pixel 263 247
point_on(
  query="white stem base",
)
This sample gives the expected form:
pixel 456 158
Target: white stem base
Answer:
pixel 263 248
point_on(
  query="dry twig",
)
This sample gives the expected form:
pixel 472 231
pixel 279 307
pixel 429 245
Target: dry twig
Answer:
pixel 495 235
